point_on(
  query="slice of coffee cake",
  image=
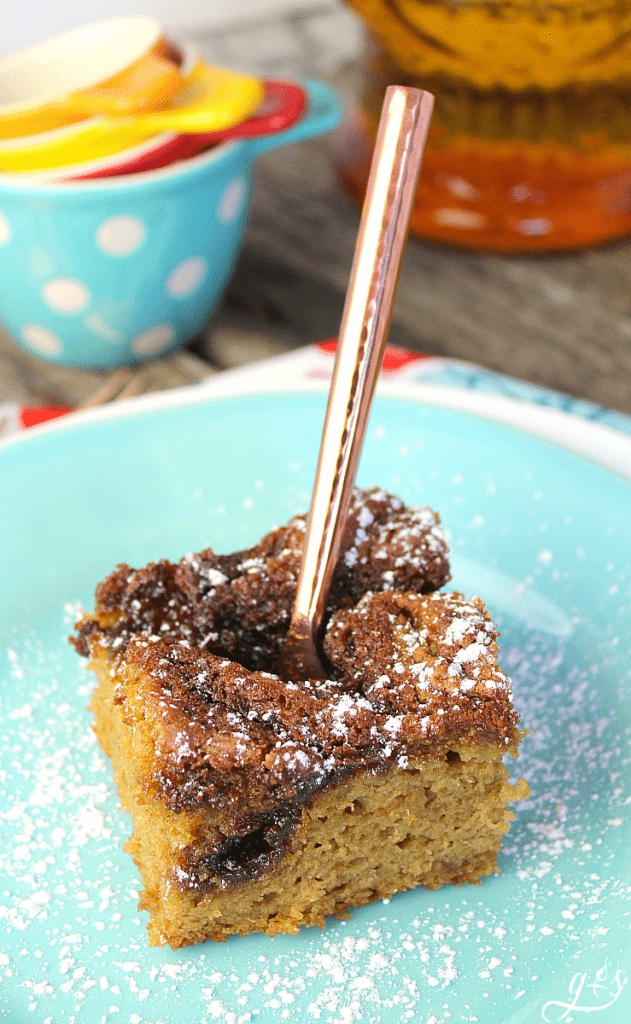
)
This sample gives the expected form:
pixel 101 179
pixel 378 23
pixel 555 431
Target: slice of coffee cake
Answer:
pixel 262 805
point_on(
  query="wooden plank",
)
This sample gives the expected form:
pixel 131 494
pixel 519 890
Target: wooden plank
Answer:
pixel 26 379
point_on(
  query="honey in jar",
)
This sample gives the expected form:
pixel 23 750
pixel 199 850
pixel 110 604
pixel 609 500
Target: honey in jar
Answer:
pixel 530 144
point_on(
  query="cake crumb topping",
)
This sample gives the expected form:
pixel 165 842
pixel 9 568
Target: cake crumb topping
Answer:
pixel 229 737
pixel 413 671
pixel 239 605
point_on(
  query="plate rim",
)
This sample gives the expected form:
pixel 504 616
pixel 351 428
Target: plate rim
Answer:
pixel 597 443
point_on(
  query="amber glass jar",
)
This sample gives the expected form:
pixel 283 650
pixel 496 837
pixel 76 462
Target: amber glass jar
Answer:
pixel 530 145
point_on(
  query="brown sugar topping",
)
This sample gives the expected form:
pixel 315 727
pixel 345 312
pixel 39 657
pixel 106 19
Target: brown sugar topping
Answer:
pixel 239 605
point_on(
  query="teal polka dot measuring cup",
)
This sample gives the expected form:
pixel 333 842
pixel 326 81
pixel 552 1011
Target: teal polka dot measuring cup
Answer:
pixel 118 270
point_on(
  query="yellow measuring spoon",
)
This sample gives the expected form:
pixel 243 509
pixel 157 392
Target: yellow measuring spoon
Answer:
pixel 59 80
pixel 149 82
pixel 210 99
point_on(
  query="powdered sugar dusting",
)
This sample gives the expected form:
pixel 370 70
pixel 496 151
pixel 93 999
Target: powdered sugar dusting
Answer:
pixel 76 949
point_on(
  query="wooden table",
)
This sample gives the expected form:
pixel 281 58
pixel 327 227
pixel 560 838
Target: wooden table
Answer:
pixel 563 322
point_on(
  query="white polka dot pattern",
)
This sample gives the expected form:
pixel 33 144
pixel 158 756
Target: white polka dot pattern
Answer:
pixel 153 341
pixel 5 230
pixel 43 341
pixel 231 201
pixel 66 295
pixel 131 282
pixel 94 322
pixel 186 277
pixel 120 236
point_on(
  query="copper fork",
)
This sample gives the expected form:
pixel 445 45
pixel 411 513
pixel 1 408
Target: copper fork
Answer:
pixel 383 228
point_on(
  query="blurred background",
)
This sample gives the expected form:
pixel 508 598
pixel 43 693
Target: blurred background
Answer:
pixel 37 20
pixel 559 319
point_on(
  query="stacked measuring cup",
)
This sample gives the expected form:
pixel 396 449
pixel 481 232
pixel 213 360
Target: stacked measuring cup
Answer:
pixel 118 96
pixel 125 167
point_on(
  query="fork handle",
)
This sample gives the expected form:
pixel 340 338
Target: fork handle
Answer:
pixel 383 229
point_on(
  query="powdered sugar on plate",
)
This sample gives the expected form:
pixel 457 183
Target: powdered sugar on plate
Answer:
pixel 76 946
pixel 545 940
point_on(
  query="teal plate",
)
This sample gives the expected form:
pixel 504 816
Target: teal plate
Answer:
pixel 542 534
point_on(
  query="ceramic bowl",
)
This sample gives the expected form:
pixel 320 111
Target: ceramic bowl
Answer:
pixel 157 151
pixel 210 99
pixel 117 270
pixel 284 103
pixel 65 136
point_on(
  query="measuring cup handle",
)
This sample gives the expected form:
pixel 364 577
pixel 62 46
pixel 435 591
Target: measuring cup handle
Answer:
pixel 322 114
